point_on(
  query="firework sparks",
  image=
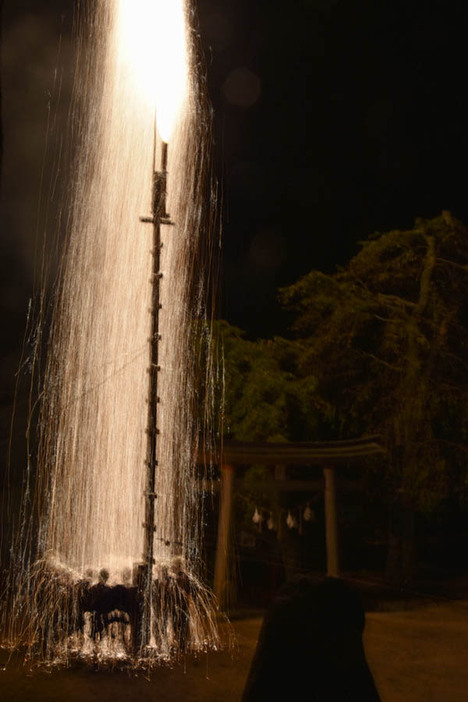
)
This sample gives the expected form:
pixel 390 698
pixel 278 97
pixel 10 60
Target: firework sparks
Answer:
pixel 83 586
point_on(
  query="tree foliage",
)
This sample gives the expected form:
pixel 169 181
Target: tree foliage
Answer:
pixel 263 400
pixel 386 337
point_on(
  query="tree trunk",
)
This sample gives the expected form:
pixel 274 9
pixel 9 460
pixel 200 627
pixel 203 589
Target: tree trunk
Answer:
pixel 401 540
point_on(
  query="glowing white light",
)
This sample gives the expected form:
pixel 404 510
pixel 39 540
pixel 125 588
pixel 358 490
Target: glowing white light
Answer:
pixel 152 46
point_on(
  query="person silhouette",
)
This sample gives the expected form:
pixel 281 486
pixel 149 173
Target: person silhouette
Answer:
pixel 310 647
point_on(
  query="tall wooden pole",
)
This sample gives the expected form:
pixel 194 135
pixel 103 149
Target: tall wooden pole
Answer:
pixel 158 216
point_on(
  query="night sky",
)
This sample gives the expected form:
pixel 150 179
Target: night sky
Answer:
pixel 360 126
pixel 332 120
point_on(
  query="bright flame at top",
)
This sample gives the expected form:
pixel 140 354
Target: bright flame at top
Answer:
pixel 152 45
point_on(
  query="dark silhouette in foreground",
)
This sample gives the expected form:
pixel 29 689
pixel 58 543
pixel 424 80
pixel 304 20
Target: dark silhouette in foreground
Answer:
pixel 310 647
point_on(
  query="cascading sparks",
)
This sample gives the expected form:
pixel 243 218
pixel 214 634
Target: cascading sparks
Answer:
pixel 134 60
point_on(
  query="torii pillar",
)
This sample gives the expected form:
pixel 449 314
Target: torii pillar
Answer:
pixel 331 522
pixel 221 575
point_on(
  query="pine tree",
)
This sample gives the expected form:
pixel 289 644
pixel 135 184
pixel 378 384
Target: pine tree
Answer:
pixel 386 337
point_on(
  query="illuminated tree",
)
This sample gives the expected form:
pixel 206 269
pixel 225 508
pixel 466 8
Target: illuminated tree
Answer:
pixel 387 339
pixel 263 400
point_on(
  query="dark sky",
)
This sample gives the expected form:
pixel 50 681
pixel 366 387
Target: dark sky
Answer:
pixel 332 119
pixel 361 125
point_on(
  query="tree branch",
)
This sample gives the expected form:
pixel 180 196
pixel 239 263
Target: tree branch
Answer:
pixel 453 263
pixel 394 298
pixel 429 263
pixel 398 369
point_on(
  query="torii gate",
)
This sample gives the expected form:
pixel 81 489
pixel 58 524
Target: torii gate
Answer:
pixel 329 455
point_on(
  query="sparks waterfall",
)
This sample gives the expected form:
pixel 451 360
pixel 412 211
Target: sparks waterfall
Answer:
pixel 139 110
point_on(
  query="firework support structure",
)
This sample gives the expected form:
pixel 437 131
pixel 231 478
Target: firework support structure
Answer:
pixel 158 217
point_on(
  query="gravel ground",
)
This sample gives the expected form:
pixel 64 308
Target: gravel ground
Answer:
pixel 420 655
pixel 417 655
